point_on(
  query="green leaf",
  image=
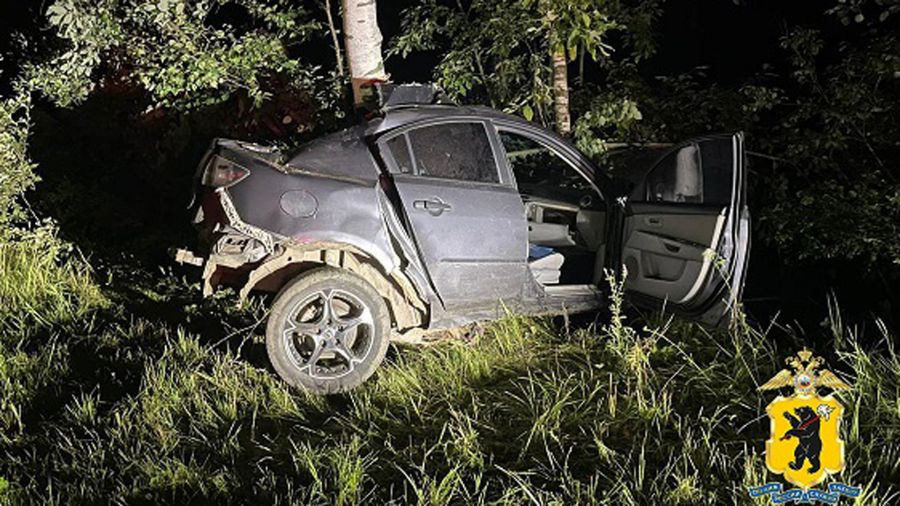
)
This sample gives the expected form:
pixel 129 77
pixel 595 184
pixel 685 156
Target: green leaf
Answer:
pixel 527 112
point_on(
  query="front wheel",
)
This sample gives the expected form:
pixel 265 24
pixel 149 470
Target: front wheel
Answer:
pixel 328 331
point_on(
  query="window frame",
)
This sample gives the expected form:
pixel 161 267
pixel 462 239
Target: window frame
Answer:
pixel 505 179
pixel 550 147
pixel 658 165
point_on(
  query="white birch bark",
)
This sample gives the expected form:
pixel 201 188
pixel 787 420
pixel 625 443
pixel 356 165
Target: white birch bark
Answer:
pixel 362 39
pixel 561 92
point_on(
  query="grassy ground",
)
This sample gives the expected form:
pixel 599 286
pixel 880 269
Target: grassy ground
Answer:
pixel 121 385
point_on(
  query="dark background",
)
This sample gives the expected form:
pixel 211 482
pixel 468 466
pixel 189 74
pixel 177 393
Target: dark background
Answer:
pixel 734 39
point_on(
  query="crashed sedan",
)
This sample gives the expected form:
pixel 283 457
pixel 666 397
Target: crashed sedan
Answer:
pixel 431 216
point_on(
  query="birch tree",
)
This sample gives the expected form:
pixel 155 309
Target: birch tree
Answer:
pixel 514 54
pixel 362 40
pixel 559 65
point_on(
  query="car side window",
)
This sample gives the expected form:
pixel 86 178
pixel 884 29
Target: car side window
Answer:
pixel 400 151
pixel 540 172
pixel 696 173
pixel 460 151
pixel 717 157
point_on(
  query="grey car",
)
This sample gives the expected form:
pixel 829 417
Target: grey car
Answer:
pixel 435 216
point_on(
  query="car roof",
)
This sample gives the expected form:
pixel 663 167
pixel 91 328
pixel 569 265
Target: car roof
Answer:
pixel 401 116
pixel 346 152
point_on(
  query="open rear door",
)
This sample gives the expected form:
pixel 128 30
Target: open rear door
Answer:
pixel 686 234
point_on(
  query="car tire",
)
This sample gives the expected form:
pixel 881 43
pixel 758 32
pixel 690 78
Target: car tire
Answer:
pixel 328 331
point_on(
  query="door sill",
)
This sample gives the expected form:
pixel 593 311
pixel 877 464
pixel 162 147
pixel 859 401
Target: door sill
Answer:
pixel 560 299
pixel 557 299
pixel 570 290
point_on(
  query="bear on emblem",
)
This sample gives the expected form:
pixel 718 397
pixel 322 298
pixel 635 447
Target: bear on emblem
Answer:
pixel 805 427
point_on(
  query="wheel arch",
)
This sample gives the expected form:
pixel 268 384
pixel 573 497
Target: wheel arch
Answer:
pixel 407 308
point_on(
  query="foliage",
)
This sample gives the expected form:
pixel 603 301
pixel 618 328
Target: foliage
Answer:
pixel 16 169
pixel 838 136
pixel 490 52
pixel 829 118
pixel 169 58
pixel 498 52
pixel 609 114
pixel 573 26
pixel 172 48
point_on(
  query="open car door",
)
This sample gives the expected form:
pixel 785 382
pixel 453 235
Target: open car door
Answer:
pixel 686 231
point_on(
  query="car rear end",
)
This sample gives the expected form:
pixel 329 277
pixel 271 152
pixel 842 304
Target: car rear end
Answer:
pixel 251 203
pixel 227 247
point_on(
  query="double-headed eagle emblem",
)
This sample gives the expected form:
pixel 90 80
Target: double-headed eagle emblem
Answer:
pixel 804 377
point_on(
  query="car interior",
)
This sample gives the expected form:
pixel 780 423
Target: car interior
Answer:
pixel 679 213
pixel 565 213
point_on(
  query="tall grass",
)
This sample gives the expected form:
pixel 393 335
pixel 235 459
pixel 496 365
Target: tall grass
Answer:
pixel 42 289
pixel 139 409
pixel 43 280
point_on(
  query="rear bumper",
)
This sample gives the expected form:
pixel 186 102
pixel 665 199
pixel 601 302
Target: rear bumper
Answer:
pixel 186 257
pixel 228 248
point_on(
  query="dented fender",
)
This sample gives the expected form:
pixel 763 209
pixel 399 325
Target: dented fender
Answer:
pixel 408 308
pixel 294 218
pixel 305 208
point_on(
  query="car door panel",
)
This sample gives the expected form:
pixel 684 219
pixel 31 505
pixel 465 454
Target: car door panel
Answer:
pixel 476 248
pixel 666 254
pixel 681 249
pixel 471 234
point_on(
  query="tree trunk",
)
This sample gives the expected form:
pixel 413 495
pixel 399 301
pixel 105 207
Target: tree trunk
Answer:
pixel 362 39
pixel 561 92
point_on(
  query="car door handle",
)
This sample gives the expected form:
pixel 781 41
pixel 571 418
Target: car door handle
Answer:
pixel 653 221
pixel 434 206
pixel 672 247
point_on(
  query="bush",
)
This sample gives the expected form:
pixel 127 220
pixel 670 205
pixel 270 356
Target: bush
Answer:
pixel 16 169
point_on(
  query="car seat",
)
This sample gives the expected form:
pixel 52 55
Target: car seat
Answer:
pixel 545 264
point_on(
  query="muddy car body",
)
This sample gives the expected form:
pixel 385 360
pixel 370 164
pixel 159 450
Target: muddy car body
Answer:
pixel 434 216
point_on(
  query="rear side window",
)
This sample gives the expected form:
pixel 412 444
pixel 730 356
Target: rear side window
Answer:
pixel 400 152
pixel 696 173
pixel 460 151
